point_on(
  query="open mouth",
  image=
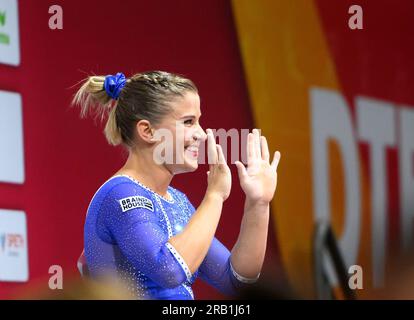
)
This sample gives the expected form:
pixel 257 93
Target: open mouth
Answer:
pixel 192 149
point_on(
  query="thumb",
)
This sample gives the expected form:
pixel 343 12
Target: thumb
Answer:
pixel 241 169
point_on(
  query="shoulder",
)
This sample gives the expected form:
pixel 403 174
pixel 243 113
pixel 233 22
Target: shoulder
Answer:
pixel 120 184
pixel 123 193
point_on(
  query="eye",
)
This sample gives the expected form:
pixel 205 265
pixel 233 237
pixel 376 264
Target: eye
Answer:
pixel 188 122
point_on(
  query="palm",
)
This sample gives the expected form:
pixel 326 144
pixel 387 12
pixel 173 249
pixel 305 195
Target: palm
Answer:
pixel 259 179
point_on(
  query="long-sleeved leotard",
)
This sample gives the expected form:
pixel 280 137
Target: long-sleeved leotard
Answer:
pixel 126 233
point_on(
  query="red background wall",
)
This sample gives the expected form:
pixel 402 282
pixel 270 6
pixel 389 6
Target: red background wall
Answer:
pixel 67 159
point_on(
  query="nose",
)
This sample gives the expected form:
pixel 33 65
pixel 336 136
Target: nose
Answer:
pixel 200 134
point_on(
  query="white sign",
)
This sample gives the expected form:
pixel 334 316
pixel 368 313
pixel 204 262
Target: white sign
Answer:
pixel 14 265
pixel 9 33
pixel 11 138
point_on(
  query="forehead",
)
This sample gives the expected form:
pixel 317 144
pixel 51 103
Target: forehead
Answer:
pixel 189 104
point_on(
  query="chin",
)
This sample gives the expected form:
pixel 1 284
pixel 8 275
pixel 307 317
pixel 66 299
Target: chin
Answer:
pixel 190 167
pixel 190 164
pixel 184 168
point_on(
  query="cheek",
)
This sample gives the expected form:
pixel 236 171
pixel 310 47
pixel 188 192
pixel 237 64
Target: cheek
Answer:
pixel 178 137
pixel 188 134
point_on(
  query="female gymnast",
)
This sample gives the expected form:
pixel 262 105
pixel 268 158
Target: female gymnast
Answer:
pixel 142 229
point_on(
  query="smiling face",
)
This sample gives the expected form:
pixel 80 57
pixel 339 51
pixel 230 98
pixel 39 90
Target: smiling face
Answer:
pixel 183 123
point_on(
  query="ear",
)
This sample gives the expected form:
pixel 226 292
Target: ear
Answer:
pixel 145 131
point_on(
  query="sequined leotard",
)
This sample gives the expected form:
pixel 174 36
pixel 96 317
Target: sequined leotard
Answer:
pixel 126 232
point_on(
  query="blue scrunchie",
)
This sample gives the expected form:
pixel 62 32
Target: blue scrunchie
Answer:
pixel 114 84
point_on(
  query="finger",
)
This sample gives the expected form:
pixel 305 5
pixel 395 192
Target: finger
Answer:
pixel 264 148
pixel 276 160
pixel 220 154
pixel 257 144
pixel 241 169
pixel 211 147
pixel 250 149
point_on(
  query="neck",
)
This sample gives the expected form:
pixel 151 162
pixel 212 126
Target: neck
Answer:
pixel 141 166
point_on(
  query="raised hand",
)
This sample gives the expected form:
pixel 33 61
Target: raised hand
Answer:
pixel 259 179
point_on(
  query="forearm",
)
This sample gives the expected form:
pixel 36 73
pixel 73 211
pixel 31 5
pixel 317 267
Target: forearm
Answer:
pixel 195 239
pixel 248 253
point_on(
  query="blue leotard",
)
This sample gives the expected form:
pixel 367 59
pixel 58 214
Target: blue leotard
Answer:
pixel 126 232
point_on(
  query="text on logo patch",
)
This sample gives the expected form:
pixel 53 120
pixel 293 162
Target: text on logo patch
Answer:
pixel 136 202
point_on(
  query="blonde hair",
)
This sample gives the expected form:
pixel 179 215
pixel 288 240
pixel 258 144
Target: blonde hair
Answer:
pixel 145 96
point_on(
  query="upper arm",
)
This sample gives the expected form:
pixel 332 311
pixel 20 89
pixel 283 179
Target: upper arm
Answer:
pixel 132 222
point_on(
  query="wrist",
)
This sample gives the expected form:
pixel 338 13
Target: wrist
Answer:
pixel 257 202
pixel 214 196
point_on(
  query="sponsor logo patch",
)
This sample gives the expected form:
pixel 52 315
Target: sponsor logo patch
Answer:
pixel 136 202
